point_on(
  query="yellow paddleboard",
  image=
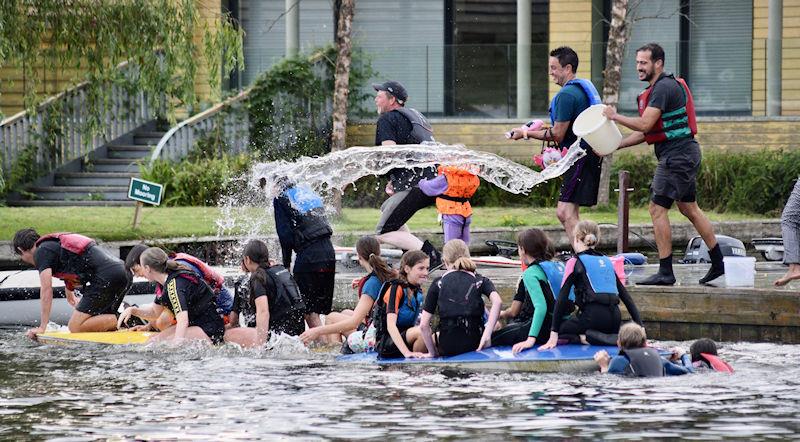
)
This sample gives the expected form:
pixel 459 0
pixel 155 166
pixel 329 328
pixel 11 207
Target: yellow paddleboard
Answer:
pixel 122 337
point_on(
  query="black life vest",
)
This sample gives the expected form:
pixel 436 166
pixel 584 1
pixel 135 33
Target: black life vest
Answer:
pixel 309 223
pixel 672 125
pixel 383 341
pixel 202 300
pixel 287 300
pixel 421 130
pixel 453 304
pixel 73 243
pixel 644 363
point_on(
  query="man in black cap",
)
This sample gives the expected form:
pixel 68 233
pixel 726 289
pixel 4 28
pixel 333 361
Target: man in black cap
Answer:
pixel 400 125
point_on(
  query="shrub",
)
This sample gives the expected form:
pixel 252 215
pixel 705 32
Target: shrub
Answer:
pixel 198 181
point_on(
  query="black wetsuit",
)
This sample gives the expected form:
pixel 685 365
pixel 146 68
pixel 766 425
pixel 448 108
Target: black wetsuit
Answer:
pixel 186 291
pixel 289 322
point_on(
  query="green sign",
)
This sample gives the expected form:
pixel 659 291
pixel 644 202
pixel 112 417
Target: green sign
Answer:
pixel 145 191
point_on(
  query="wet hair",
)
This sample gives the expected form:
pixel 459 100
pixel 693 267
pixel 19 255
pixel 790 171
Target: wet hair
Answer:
pixel 632 335
pixel 456 252
pixel 410 259
pixel 258 252
pixel 369 249
pixel 159 261
pixel 536 244
pixel 566 56
pixel 588 233
pixel 702 345
pixel 24 240
pixel 656 51
pixel 133 256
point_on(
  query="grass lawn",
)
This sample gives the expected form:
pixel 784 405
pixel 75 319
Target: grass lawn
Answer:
pixel 115 223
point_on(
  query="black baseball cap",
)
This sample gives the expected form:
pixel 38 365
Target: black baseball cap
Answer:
pixel 394 88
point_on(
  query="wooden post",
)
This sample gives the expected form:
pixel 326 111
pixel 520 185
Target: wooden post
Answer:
pixel 622 211
pixel 137 214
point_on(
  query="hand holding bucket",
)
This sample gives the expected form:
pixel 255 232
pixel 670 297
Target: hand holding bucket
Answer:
pixel 602 134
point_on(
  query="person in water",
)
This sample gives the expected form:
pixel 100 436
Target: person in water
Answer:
pixel 356 325
pixel 598 292
pixel 303 229
pixel 181 291
pixel 398 308
pixel 99 277
pixel 222 296
pixel 271 304
pixel 453 188
pixel 704 356
pixel 637 359
pixel 531 312
pixel 457 296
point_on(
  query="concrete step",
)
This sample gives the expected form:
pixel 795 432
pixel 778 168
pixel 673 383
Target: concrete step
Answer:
pixel 81 193
pixel 67 203
pixel 147 138
pixel 94 178
pixel 132 151
pixel 112 165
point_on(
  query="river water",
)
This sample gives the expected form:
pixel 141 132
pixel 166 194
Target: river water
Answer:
pixel 124 393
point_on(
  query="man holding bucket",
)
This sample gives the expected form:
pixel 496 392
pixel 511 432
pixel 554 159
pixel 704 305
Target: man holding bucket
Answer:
pixel 667 120
pixel 582 180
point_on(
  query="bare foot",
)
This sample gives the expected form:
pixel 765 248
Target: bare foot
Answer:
pixel 792 274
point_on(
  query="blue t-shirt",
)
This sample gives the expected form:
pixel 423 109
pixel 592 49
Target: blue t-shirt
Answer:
pixel 570 101
pixel 372 287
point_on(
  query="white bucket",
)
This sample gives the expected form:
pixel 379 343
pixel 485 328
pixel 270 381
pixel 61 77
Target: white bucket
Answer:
pixel 597 130
pixel 740 271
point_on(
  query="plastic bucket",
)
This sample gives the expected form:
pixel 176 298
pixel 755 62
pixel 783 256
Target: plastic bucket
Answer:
pixel 619 267
pixel 600 132
pixel 740 271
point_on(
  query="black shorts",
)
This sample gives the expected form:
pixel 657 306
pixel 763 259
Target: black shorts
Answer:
pixel 400 207
pixel 316 288
pixel 104 294
pixel 387 348
pixel 601 317
pixel 463 338
pixel 675 178
pixel 212 324
pixel 292 325
pixel 582 181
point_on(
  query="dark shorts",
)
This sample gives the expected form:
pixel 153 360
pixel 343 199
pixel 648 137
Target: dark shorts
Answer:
pixel 400 207
pixel 675 178
pixel 212 324
pixel 292 325
pixel 459 339
pixel 104 294
pixel 388 349
pixel 601 317
pixel 582 181
pixel 316 288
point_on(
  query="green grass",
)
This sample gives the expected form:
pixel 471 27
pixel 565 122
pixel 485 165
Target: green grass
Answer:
pixel 115 223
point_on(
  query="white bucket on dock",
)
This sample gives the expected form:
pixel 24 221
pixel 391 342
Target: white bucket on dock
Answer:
pixel 740 271
pixel 597 130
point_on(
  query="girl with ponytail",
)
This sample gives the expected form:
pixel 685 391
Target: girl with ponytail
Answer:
pixel 355 326
pixel 182 293
pixel 458 297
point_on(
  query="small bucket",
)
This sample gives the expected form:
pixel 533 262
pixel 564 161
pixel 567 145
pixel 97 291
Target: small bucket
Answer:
pixel 597 130
pixel 619 268
pixel 740 271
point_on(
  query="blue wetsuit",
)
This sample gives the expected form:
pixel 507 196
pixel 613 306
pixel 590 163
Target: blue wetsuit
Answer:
pixel 619 365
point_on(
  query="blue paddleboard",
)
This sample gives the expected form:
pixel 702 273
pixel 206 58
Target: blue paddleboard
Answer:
pixel 563 358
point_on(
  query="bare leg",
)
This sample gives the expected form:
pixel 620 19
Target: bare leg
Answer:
pixel 84 322
pixel 792 274
pixel 165 335
pixel 401 239
pixel 661 229
pixel 700 222
pixel 569 215
pixel 415 341
pixel 245 336
pixel 312 319
pixel 333 318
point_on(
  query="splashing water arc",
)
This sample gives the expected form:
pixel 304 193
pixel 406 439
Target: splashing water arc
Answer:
pixel 337 170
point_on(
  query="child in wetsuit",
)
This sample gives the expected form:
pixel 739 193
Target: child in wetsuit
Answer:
pixel 704 356
pixel 636 359
pixel 531 314
pixel 453 188
pixel 457 296
pixel 271 304
pixel 598 292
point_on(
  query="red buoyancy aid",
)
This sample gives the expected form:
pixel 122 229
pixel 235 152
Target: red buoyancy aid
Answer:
pixel 71 242
pixel 717 363
pixel 210 276
pixel 461 185
pixel 673 125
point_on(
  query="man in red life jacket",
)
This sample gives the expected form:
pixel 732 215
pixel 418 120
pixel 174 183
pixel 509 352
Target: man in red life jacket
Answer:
pixel 81 264
pixel 667 120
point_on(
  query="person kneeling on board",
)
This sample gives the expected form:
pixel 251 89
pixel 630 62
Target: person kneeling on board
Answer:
pixel 82 265
pixel 184 294
pixel 598 292
pixel 458 297
pixel 637 359
pixel 271 304
pixel 399 307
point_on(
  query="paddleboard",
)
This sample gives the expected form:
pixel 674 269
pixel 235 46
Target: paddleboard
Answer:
pixel 121 337
pixel 344 253
pixel 563 358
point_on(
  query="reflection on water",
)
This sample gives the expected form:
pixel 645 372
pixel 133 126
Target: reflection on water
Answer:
pixel 97 392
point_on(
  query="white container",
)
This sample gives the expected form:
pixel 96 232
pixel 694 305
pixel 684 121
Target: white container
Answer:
pixel 597 130
pixel 740 271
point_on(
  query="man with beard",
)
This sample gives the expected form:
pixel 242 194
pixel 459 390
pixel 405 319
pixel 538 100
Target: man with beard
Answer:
pixel 667 120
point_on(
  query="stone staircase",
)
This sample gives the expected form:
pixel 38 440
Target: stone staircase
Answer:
pixel 98 179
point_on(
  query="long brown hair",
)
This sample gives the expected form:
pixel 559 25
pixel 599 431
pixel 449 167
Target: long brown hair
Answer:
pixel 258 252
pixel 536 244
pixel 369 249
pixel 157 260
pixel 456 252
pixel 410 259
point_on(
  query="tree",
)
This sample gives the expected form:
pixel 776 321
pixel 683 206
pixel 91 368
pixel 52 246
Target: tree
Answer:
pixel 344 11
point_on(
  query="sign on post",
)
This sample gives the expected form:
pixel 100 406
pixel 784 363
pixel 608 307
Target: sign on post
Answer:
pixel 143 191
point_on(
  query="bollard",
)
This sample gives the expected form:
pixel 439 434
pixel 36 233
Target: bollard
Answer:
pixel 623 210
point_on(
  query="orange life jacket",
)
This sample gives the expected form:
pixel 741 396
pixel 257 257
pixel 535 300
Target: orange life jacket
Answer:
pixel 461 185
pixel 673 125
pixel 211 277
pixel 71 242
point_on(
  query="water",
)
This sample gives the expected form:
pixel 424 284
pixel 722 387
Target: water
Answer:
pixel 93 393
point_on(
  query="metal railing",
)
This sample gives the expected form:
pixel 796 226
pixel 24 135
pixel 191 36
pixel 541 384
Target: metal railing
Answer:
pixel 228 117
pixel 57 128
